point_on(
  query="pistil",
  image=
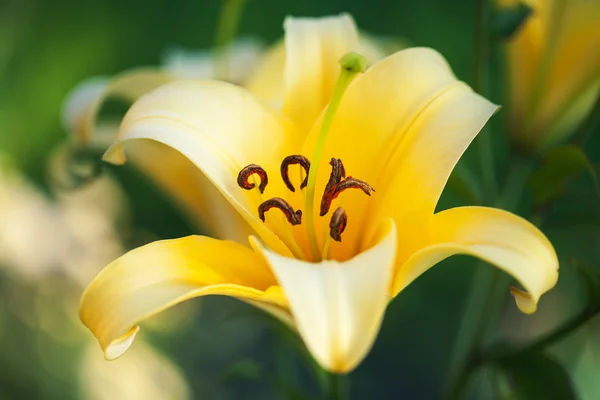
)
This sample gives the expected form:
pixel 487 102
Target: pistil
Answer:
pixel 351 65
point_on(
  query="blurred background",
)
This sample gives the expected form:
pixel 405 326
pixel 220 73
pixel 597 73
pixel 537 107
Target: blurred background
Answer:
pixel 54 238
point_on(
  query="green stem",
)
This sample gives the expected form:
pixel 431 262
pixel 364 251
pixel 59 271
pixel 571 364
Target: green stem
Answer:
pixel 487 291
pixel 541 343
pixel 481 59
pixel 339 387
pixel 475 316
pixel 229 19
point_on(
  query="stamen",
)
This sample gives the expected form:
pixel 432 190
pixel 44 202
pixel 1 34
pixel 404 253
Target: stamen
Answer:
pixel 290 160
pixel 293 217
pixel 333 193
pixel 249 170
pixel 338 172
pixel 338 223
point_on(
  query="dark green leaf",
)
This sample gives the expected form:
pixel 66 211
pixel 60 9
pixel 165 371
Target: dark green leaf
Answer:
pixel 508 20
pixel 464 185
pixel 560 165
pixel 537 376
pixel 245 369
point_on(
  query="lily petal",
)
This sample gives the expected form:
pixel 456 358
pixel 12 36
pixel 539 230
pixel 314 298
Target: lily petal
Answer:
pixel 159 275
pixel 220 128
pixel 411 120
pixel 501 238
pixel 313 47
pixel 266 81
pixel 176 175
pixel 338 306
pixel 81 108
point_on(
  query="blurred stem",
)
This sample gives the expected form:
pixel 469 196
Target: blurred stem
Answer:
pixel 583 134
pixel 487 291
pixel 481 59
pixel 320 375
pixel 476 313
pixel 338 387
pixel 229 19
pixel 591 310
pixel 555 336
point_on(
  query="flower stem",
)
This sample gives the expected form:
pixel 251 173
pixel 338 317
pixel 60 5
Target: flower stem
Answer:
pixel 339 387
pixel 541 343
pixel 229 19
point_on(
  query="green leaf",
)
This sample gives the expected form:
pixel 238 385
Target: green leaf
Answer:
pixel 464 185
pixel 508 20
pixel 559 166
pixel 537 376
pixel 245 369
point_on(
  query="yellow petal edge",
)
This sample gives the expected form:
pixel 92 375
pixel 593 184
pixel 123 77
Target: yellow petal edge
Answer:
pixel 159 275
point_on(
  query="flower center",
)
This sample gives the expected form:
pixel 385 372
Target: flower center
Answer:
pixel 351 65
pixel 337 184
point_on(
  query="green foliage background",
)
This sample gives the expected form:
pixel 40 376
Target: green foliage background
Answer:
pixel 226 349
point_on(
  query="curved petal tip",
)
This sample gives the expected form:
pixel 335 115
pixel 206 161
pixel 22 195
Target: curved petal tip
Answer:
pixel 119 346
pixel 526 303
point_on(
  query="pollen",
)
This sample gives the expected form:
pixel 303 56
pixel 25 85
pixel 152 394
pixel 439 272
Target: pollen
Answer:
pixel 293 217
pixel 291 160
pixel 246 172
pixel 338 223
pixel 337 184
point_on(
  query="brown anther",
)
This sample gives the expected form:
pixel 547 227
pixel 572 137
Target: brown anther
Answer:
pixel 338 223
pixel 249 170
pixel 293 217
pixel 348 183
pixel 290 160
pixel 337 173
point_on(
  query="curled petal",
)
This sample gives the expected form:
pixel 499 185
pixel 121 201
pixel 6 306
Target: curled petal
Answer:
pixel 503 239
pixel 159 275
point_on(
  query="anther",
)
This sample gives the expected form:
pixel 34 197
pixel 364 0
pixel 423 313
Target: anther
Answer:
pixel 249 170
pixel 290 160
pixel 293 217
pixel 338 223
pixel 337 173
pixel 348 183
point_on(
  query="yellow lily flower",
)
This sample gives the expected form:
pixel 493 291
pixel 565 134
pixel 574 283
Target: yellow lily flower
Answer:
pixel 399 129
pixel 553 68
pixel 260 71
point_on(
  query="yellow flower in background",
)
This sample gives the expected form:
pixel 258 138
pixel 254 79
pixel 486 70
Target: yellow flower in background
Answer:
pixel 554 69
pixel 337 192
